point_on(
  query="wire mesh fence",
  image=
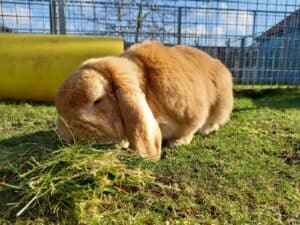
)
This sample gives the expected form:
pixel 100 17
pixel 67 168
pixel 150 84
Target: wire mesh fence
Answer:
pixel 259 40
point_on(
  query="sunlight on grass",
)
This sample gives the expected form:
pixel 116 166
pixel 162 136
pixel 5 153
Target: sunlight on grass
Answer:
pixel 246 173
pixel 76 182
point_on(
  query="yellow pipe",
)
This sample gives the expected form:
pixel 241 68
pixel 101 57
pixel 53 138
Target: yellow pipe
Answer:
pixel 33 66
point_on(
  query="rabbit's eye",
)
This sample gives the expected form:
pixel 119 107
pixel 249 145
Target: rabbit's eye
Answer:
pixel 98 101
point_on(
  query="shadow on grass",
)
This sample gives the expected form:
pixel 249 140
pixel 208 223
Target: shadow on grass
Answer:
pixel 243 109
pixel 272 98
pixel 17 152
pixel 21 148
pixel 31 102
pixel 15 187
pixel 37 145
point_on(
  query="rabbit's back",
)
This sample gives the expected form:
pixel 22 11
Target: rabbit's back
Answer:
pixel 181 83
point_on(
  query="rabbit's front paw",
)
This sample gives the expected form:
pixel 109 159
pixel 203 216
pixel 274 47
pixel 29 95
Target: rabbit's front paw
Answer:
pixel 209 128
pixel 180 141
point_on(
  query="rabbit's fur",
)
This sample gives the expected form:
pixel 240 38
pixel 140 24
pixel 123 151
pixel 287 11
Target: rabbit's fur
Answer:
pixel 148 94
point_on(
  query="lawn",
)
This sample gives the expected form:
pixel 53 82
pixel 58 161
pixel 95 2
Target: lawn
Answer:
pixel 246 173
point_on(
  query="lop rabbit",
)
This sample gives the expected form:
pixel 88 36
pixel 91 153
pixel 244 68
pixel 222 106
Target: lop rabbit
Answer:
pixel 148 94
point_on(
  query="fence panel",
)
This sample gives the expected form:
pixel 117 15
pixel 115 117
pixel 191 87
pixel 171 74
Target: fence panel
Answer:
pixel 259 40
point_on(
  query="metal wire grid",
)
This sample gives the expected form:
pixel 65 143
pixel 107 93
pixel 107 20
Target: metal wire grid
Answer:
pixel 259 40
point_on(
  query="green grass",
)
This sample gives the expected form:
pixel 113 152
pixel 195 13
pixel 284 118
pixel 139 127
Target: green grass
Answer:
pixel 246 173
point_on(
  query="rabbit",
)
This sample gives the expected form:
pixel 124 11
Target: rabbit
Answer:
pixel 148 94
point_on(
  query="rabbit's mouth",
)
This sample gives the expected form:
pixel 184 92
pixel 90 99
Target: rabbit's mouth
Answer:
pixel 90 131
pixel 124 144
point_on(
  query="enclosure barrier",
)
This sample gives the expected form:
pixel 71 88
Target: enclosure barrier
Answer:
pixel 258 40
pixel 32 66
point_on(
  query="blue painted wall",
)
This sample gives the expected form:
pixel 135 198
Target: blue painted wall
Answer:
pixel 278 60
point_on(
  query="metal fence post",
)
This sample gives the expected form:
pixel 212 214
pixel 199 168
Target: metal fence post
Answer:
pixel 241 60
pixel 254 26
pixel 252 62
pixel 227 54
pixel 61 16
pixel 52 15
pixel 139 21
pixel 95 20
pixel 285 49
pixel 179 18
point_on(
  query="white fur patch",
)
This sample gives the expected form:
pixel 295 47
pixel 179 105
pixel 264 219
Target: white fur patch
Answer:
pixel 151 122
pixel 98 89
pixel 95 85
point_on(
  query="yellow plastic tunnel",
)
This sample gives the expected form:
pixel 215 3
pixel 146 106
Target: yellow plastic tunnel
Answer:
pixel 33 66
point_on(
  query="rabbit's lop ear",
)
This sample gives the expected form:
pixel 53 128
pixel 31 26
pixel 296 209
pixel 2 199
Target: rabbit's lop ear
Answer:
pixel 142 130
